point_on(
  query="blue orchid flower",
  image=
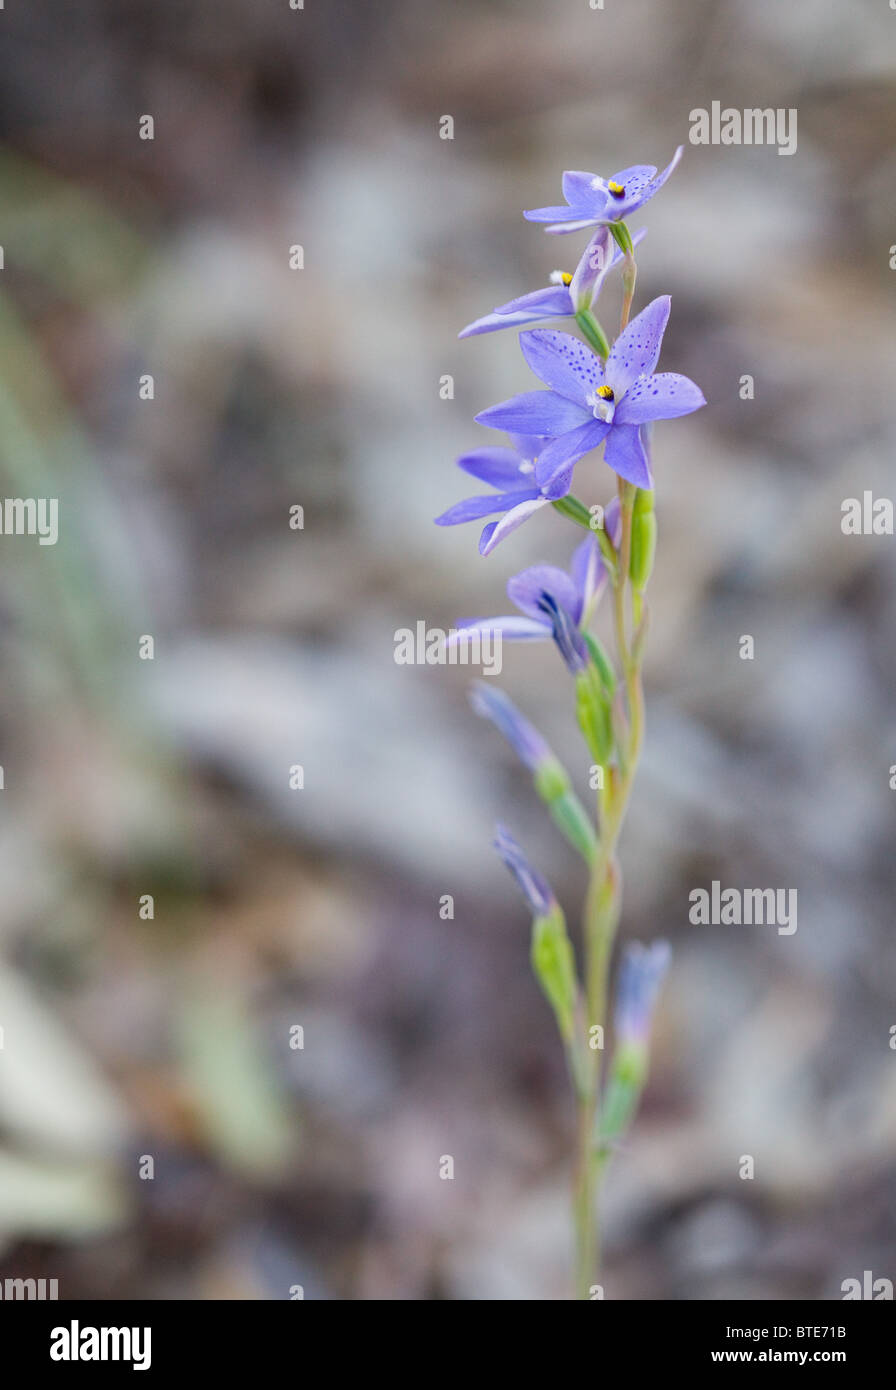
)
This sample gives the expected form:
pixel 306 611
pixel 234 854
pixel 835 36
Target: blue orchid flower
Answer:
pixel 591 200
pixel 566 295
pixel 518 496
pixel 555 605
pixel 590 402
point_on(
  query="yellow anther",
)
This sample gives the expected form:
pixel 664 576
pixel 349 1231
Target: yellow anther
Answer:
pixel 605 393
pixel 566 277
pixel 617 189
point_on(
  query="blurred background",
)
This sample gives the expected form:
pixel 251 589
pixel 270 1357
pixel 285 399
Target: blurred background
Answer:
pixel 160 1137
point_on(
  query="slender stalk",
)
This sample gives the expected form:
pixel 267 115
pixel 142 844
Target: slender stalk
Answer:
pixel 602 911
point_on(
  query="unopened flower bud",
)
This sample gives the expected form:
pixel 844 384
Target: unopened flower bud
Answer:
pixel 640 976
pixel 535 889
pixel 594 714
pixel 553 962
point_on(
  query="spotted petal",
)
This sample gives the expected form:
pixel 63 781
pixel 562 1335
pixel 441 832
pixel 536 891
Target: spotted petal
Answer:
pixel 663 396
pixel 563 362
pixel 637 190
pixel 636 351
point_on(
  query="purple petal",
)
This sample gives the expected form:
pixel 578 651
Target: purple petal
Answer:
pixel 635 180
pixel 534 412
pixel 613 519
pixel 626 455
pixel 642 173
pixel 638 191
pixel 569 640
pixel 557 214
pixel 641 974
pixel 579 191
pixel 474 508
pixel 528 446
pixel 513 628
pixel 550 303
pixel 496 531
pixel 523 737
pixel 535 889
pixel 557 459
pixel 498 466
pixel 636 351
pixel 527 588
pixel 663 396
pixel 588 574
pixel 563 363
pixel 561 228
pixel 600 256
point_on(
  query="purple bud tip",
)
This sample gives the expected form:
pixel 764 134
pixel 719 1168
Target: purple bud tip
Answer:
pixel 640 977
pixel 523 737
pixel 535 889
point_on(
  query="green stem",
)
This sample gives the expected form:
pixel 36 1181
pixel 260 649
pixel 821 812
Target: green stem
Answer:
pixel 571 507
pixel 584 1202
pixel 603 903
pixel 602 911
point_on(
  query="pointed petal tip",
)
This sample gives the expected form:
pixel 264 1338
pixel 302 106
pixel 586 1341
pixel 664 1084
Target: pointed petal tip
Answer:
pixel 485 540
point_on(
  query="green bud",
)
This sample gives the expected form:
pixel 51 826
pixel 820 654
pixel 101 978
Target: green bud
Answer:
pixel 554 965
pixel 551 780
pixel 594 715
pixel 572 820
pixel 602 661
pixel 643 548
pixel 552 783
pixel 592 330
pixel 622 237
pixel 625 1084
pixel 643 501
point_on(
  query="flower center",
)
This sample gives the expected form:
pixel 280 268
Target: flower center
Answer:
pixel 602 403
pixel 560 277
pixel 527 466
pixel 617 189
